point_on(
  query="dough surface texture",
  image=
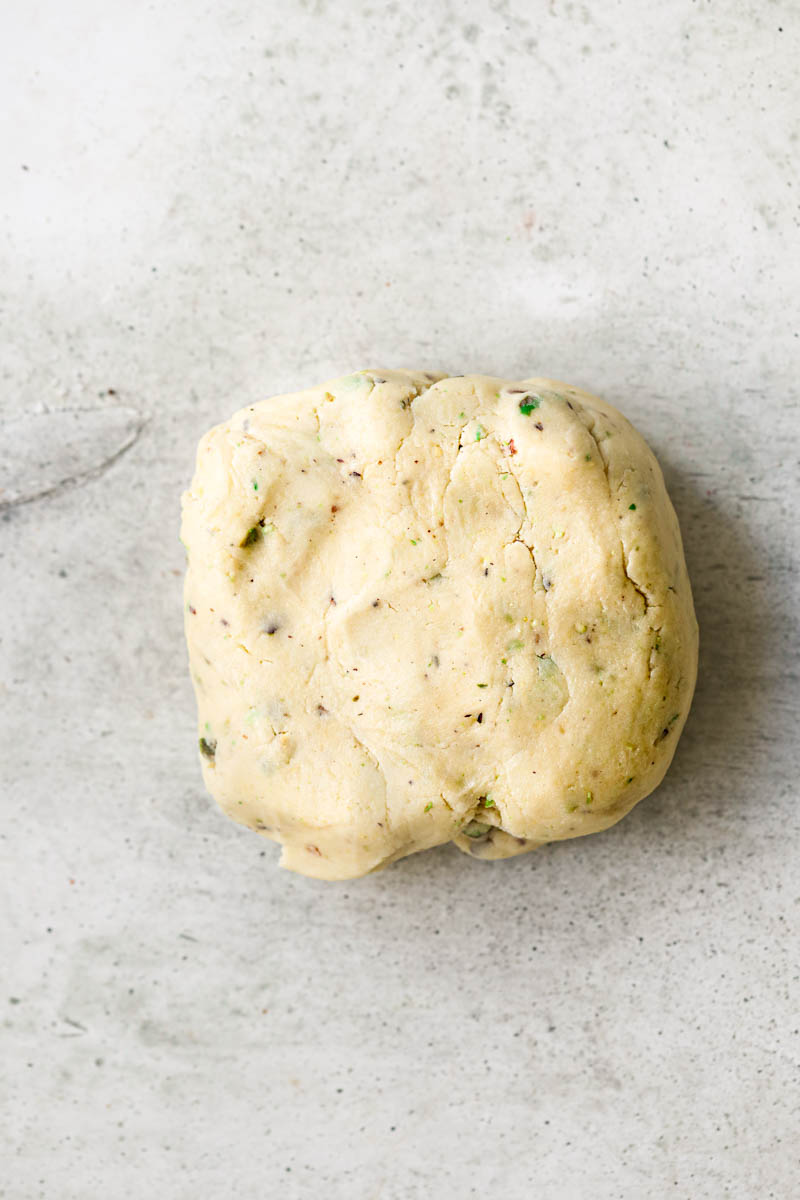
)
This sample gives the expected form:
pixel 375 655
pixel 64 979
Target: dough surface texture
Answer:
pixel 422 609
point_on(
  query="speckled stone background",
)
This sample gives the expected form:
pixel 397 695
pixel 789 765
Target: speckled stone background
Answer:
pixel 202 204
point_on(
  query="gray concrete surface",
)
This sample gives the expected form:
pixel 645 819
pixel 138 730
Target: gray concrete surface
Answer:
pixel 201 204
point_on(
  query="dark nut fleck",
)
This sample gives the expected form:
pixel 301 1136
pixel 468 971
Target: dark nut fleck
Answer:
pixel 208 747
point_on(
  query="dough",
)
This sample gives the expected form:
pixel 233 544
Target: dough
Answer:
pixel 422 609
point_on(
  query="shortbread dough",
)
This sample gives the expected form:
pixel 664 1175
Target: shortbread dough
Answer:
pixel 423 609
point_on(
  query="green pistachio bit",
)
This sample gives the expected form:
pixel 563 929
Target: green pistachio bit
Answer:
pixel 589 797
pixel 208 747
pixel 632 507
pixel 547 668
pixel 483 685
pixel 527 405
pixel 251 536
pixel 429 806
pixel 475 829
pixel 480 433
pixel 488 802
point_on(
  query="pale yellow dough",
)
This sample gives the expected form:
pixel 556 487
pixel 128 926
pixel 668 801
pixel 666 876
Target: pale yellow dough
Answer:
pixel 419 605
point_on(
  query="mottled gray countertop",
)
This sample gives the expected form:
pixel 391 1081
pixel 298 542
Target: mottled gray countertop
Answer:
pixel 205 204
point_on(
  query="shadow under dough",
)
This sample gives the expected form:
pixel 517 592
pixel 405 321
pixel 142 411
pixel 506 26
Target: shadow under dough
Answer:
pixel 727 736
